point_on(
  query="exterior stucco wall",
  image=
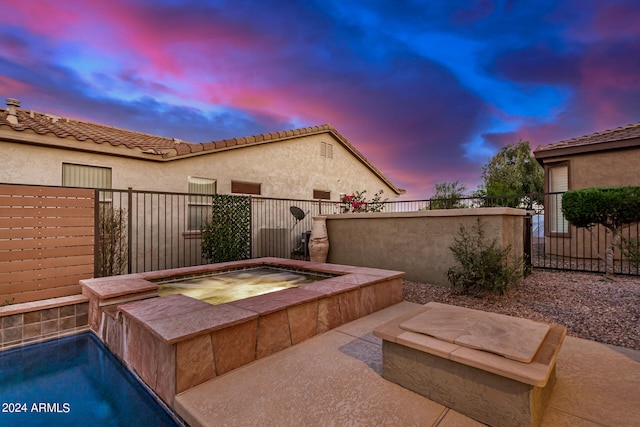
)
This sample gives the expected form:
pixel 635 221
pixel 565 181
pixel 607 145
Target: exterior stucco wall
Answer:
pixel 286 169
pixel 602 169
pixel 417 242
pixel 595 169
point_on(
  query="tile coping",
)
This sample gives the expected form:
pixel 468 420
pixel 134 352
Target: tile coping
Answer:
pixel 127 284
pixel 44 304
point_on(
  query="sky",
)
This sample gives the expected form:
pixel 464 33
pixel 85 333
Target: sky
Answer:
pixel 427 90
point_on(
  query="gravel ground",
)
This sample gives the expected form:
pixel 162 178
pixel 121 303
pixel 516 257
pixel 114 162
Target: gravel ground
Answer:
pixel 588 305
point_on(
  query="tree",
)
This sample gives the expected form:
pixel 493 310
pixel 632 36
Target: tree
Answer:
pixel 513 171
pixel 612 207
pixel 447 195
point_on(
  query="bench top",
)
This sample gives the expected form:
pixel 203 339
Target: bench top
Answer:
pixel 520 349
pixel 511 337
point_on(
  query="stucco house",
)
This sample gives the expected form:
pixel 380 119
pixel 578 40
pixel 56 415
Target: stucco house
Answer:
pixel 309 163
pixel 312 163
pixel 602 159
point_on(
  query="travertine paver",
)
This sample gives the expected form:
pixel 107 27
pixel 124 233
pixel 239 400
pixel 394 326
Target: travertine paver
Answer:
pixel 511 337
pixel 338 382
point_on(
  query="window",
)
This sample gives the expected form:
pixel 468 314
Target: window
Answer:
pixel 240 187
pixel 326 150
pixel 200 206
pixel 87 177
pixel 321 194
pixel 558 183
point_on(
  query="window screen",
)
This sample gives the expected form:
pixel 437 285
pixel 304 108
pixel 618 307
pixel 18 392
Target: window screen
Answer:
pixel 200 206
pixel 85 176
pixel 201 186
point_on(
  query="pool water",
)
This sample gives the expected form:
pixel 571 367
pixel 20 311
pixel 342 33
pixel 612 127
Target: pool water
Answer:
pixel 221 287
pixel 73 381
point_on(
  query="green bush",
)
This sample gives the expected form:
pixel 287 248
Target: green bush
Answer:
pixel 484 267
pixel 447 196
pixel 611 207
pixel 227 237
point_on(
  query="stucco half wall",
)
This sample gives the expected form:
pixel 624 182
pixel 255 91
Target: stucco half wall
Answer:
pixel 417 242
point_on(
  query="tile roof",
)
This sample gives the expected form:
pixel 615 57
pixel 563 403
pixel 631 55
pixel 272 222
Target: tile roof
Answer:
pixel 595 141
pixel 61 127
pixel 148 146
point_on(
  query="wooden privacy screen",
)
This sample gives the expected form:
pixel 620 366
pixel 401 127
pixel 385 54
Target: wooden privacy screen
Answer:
pixel 46 241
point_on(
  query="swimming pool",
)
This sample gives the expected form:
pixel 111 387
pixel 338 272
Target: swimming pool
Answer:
pixel 73 381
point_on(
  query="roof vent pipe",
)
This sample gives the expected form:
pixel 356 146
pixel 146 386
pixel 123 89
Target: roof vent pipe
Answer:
pixel 12 115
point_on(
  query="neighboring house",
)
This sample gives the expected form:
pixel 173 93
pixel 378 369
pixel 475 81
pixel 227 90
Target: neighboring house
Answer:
pixel 603 159
pixel 305 164
pixel 309 163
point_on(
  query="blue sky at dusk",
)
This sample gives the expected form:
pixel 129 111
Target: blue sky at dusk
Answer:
pixel 426 90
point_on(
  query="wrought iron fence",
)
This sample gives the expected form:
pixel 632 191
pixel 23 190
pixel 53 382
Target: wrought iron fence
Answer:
pixel 163 230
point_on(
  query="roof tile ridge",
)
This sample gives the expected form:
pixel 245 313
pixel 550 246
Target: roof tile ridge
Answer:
pixel 217 144
pixel 602 132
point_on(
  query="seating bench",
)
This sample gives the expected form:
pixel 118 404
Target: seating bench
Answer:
pixel 497 369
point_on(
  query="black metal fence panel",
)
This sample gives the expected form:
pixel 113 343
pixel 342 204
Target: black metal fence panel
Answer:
pixel 163 230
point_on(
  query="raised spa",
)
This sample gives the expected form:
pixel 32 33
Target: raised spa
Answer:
pixel 219 287
pixel 176 342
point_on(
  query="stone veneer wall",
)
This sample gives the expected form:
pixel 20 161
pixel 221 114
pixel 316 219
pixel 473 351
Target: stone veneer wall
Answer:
pixel 417 242
pixel 174 342
pixel 31 322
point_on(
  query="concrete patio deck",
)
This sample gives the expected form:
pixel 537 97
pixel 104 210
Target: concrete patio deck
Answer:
pixel 335 379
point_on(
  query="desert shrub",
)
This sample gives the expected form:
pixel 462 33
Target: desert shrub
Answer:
pixel 631 251
pixel 113 248
pixel 484 267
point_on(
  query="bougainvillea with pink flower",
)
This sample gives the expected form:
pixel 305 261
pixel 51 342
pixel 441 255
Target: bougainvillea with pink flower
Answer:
pixel 357 203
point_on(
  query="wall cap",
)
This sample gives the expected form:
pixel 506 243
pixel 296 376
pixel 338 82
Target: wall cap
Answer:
pixel 433 213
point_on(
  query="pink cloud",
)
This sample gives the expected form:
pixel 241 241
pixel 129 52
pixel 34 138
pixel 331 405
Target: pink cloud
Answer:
pixel 44 18
pixel 616 19
pixel 12 86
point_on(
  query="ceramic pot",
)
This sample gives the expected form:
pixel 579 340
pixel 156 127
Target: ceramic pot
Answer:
pixel 319 240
